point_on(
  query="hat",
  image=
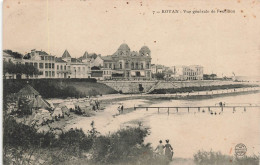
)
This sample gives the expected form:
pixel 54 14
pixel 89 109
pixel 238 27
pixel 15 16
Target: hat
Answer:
pixel 167 141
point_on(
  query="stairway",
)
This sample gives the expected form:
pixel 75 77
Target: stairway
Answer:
pixel 153 87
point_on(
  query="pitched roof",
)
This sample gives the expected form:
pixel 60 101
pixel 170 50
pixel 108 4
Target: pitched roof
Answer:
pixel 42 52
pixel 66 54
pixel 59 59
pixel 107 58
pixel 39 102
pixel 28 90
pixel 75 60
pixel 85 55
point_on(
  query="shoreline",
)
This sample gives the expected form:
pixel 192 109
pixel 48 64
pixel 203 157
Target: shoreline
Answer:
pixel 177 96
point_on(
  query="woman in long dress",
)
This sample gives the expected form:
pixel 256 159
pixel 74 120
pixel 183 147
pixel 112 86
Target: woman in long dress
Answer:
pixel 168 150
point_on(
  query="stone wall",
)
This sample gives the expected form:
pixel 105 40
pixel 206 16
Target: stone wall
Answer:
pixel 129 86
pixel 133 86
pixel 181 84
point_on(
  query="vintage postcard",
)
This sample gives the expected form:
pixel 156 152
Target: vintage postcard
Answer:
pixel 131 82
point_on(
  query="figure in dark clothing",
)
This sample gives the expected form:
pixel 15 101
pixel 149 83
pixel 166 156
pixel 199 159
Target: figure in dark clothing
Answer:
pixel 122 109
pixel 168 150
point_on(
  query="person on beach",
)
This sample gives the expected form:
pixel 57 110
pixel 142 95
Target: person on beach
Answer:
pixel 168 150
pixel 122 109
pixel 119 109
pixel 159 148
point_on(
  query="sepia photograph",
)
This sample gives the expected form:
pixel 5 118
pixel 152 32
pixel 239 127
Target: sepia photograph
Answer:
pixel 130 82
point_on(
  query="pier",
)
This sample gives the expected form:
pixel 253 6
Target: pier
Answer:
pixel 209 108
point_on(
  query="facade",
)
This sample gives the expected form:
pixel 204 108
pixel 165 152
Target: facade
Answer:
pixel 51 66
pixel 127 64
pixel 76 68
pixel 192 72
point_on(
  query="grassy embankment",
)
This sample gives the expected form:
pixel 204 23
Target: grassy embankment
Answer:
pixel 60 88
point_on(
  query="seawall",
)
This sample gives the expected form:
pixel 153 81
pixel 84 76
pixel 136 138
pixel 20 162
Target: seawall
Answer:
pixel 133 86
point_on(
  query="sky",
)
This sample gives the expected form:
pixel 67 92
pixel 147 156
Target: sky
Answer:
pixel 221 42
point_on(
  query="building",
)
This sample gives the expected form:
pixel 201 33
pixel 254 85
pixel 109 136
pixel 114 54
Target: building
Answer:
pixel 51 66
pixel 41 60
pixel 76 68
pixel 127 64
pixel 192 72
pixel 123 64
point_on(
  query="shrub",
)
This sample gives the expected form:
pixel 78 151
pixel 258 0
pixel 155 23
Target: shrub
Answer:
pixel 125 145
pixel 216 158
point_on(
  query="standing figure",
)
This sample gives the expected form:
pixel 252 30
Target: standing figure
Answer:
pixel 159 148
pixel 168 151
pixel 119 109
pixel 122 109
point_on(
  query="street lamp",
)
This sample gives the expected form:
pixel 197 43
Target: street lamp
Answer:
pixel 75 73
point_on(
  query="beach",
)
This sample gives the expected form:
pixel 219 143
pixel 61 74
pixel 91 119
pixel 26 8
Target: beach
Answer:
pixel 197 130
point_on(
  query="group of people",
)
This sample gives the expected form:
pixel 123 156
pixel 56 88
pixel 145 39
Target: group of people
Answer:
pixel 95 105
pixel 120 109
pixel 165 150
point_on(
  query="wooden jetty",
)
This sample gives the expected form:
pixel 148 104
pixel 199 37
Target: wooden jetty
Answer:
pixel 177 108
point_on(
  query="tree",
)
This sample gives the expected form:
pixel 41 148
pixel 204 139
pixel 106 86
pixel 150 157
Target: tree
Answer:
pixel 159 76
pixel 19 69
pixel 30 70
pixel 9 67
pixel 14 54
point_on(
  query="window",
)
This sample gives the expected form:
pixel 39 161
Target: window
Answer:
pixel 132 65
pixel 42 57
pixel 41 65
pixel 64 67
pixel 142 66
pixel 49 58
pixel 46 73
pixel 58 67
pixel 105 65
pixel 136 65
pixel 46 65
pixel 110 66
pixel 36 65
pixel 61 67
pixel 49 73
pixel 53 74
pixel 52 65
pixel 147 65
pixel 120 65
pixel 126 65
pixel 49 65
pixel 31 63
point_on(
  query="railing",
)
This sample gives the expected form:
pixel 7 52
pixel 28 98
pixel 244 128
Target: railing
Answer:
pixel 177 108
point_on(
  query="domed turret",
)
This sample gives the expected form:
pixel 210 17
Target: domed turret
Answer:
pixel 123 50
pixel 145 51
pixel 124 47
